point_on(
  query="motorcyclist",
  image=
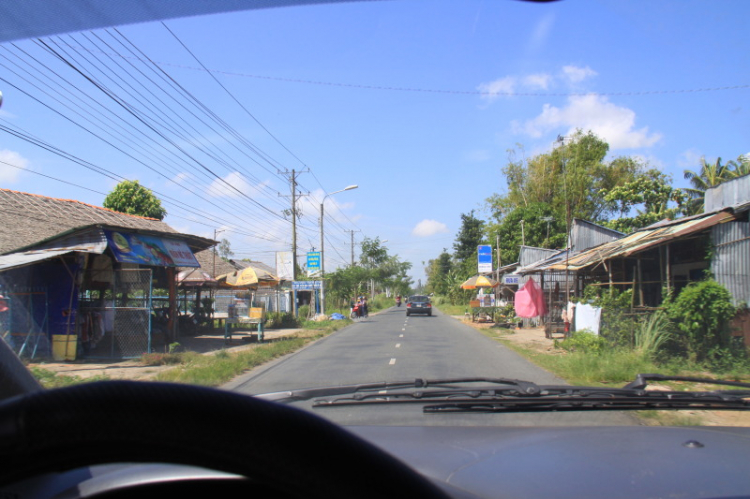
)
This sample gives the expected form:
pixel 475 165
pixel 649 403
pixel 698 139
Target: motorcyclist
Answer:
pixel 398 301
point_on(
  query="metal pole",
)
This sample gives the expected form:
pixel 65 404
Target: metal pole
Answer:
pixel 294 231
pixel 322 248
pixel 322 263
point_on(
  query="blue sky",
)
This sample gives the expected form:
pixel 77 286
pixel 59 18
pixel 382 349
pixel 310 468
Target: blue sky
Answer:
pixel 417 102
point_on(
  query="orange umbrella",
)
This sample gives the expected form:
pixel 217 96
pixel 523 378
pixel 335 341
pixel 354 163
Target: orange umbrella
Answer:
pixel 479 281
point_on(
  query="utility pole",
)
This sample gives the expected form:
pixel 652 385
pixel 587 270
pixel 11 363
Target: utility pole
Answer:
pixel 499 264
pixel 293 184
pixel 294 226
pixel 351 232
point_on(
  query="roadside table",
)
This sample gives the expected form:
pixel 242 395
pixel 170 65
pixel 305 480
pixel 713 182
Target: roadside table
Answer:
pixel 256 315
pixel 478 311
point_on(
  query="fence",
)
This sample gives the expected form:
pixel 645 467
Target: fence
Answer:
pixel 118 323
pixel 24 326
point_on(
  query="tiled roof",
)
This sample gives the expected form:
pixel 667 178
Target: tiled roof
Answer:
pixel 30 218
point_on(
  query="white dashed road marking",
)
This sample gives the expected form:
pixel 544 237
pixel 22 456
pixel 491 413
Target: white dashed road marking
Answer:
pixel 398 345
pixel 393 361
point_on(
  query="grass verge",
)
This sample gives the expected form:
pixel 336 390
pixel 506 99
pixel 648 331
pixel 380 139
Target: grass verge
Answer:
pixel 602 369
pixel 49 379
pixel 212 369
pixel 223 366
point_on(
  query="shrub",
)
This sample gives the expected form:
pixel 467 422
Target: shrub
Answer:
pixel 584 341
pixel 653 333
pixel 618 326
pixel 276 320
pixel 304 312
pixel 701 314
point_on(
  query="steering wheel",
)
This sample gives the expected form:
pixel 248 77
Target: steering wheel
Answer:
pixel 125 421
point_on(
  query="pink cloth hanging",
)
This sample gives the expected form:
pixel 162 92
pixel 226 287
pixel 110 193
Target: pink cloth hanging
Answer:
pixel 530 301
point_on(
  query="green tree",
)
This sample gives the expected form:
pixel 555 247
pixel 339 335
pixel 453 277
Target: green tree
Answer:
pixel 741 166
pixel 470 235
pixel 373 253
pixel 542 227
pixel 652 197
pixel 225 249
pixel 134 199
pixel 569 179
pixel 437 271
pixel 344 284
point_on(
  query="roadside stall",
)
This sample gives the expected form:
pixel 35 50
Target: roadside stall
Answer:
pixel 195 309
pixel 484 307
pixel 79 280
pixel 241 309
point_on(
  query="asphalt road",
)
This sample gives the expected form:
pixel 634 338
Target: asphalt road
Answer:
pixel 392 347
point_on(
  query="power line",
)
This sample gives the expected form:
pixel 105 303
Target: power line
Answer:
pixel 395 88
pixel 231 95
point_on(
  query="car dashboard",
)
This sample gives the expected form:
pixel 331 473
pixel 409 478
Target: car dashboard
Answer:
pixel 478 462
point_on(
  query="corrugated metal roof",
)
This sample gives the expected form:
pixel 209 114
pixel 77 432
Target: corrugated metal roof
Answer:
pixel 641 241
pixel 530 254
pixel 90 241
pixel 585 235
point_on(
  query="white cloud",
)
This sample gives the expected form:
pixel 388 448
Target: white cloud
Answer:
pixel 233 185
pixel 494 89
pixel 181 177
pixel 10 174
pixel 478 156
pixel 613 123
pixel 427 228
pixel 650 161
pixel 541 32
pixel 575 74
pixel 689 159
pixel 539 80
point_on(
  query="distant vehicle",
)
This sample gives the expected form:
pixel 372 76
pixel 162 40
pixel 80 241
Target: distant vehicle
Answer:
pixel 418 304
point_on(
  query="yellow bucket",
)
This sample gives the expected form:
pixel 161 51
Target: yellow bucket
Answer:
pixel 64 346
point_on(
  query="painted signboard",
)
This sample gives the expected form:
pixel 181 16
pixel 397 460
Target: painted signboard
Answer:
pixel 510 279
pixel 313 263
pixel 484 258
pixel 150 250
pixel 306 285
pixel 284 265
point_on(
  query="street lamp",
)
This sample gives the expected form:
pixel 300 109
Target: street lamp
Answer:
pixel 322 246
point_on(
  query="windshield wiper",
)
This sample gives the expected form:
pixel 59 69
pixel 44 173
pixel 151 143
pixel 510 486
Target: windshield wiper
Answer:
pixel 364 390
pixel 521 396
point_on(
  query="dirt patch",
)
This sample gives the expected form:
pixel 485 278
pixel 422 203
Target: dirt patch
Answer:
pixel 534 339
pixel 207 344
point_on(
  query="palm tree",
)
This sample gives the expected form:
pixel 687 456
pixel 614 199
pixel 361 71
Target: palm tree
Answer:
pixel 740 167
pixel 710 175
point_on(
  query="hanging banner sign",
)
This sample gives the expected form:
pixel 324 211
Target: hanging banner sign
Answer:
pixel 313 263
pixel 284 265
pixel 306 285
pixel 484 258
pixel 150 250
pixel 510 279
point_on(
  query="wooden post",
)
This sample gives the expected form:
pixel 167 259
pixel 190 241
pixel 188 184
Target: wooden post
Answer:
pixel 669 272
pixel 640 282
pixel 172 286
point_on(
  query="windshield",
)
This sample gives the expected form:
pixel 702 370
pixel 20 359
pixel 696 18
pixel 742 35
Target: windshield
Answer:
pixel 522 175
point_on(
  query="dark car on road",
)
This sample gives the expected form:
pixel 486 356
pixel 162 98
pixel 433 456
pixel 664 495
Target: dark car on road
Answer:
pixel 418 304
